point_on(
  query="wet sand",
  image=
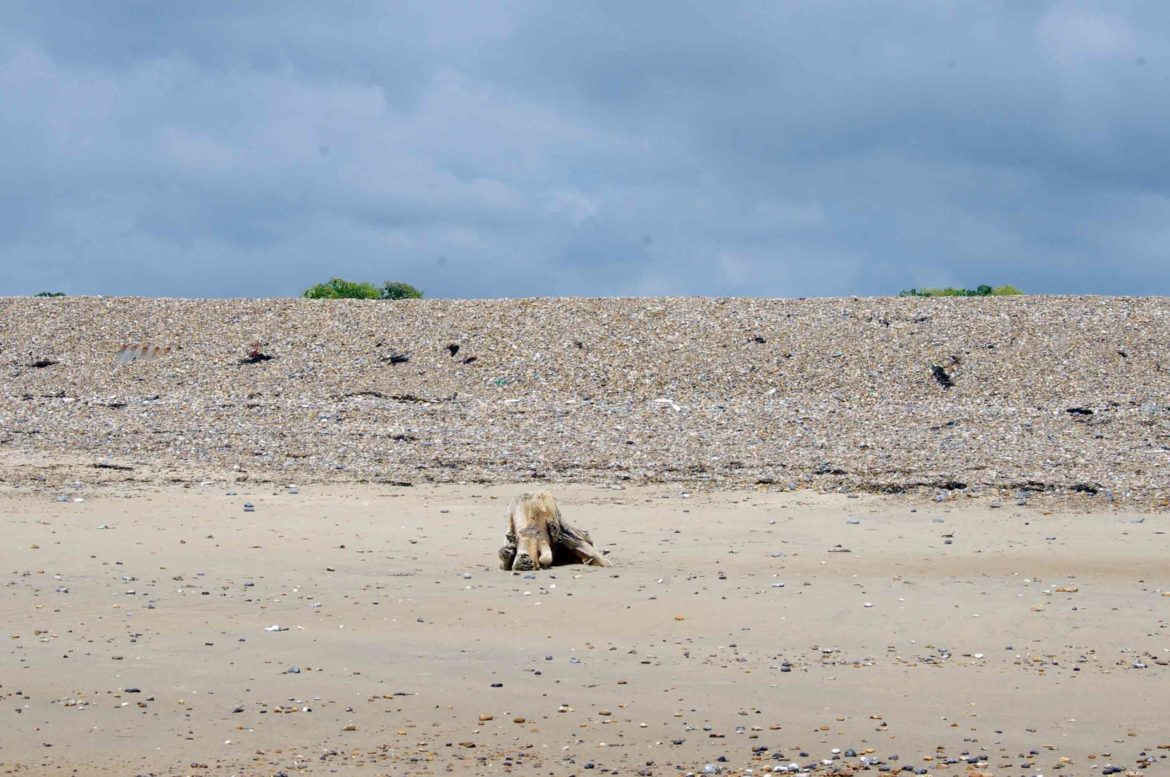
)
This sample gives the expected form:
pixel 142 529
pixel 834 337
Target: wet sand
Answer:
pixel 762 628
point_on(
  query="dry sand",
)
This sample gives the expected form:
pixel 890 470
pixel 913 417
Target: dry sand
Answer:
pixel 136 635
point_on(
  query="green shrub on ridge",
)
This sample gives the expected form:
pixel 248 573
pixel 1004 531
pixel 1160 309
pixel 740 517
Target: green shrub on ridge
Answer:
pixel 978 291
pixel 339 288
pixel 399 290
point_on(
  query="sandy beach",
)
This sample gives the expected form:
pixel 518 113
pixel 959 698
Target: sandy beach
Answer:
pixel 825 559
pixel 365 629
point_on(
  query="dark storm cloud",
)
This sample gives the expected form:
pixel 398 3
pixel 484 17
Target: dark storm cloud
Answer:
pixel 507 149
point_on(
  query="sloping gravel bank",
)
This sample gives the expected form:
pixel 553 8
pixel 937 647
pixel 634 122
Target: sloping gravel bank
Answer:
pixel 1059 394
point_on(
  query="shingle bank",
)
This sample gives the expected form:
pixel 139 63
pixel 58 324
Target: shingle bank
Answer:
pixel 1058 394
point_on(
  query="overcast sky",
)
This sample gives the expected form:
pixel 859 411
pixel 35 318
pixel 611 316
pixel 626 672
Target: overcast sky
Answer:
pixel 502 149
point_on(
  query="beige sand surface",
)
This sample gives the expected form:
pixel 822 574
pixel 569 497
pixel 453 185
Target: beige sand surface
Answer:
pixel 135 641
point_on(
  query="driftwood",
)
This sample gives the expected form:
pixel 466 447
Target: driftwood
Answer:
pixel 538 536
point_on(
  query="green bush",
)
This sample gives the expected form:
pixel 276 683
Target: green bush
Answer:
pixel 339 288
pixel 49 294
pixel 979 291
pixel 399 290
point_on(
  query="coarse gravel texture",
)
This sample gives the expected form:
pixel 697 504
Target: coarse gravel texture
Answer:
pixel 1060 395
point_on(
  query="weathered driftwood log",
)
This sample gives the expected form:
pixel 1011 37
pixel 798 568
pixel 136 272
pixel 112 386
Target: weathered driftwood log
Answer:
pixel 538 536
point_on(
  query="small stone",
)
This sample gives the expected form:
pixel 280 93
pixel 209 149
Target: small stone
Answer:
pixel 485 717
pixel 349 727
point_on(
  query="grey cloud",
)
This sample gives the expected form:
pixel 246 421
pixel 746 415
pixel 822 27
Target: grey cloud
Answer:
pixel 508 149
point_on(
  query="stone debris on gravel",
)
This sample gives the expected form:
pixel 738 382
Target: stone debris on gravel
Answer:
pixel 1043 395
